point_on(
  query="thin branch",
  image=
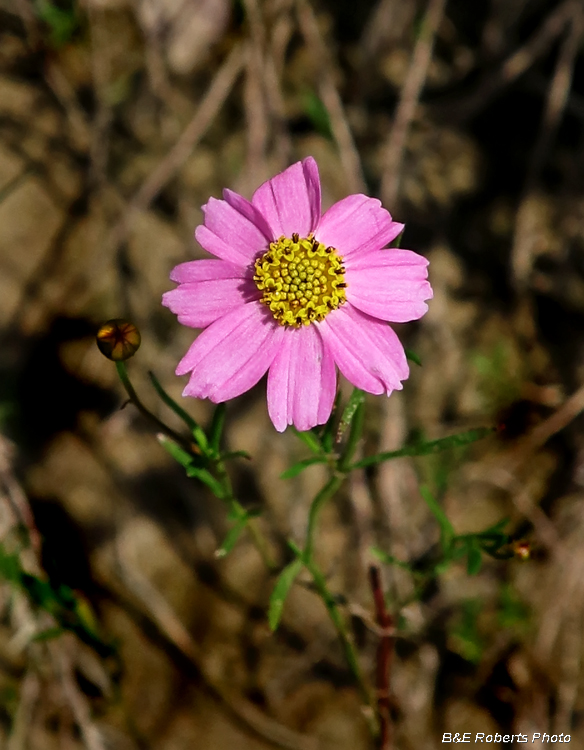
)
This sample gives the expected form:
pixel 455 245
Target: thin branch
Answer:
pixel 525 237
pixel 384 660
pixel 515 65
pixel 416 76
pixel 331 99
pixel 216 95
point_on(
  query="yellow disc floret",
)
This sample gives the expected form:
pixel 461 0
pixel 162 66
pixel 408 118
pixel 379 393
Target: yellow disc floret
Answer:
pixel 301 280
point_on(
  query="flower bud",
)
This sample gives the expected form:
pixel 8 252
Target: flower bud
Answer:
pixel 118 339
pixel 522 549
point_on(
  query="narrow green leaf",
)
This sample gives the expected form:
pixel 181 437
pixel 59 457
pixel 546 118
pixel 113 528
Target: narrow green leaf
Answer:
pixel 179 454
pixel 328 432
pixel 232 536
pixel 48 635
pixel 354 402
pixel 217 425
pixel 446 528
pixel 390 559
pixel 196 430
pixel 426 448
pixel 207 478
pixel 309 439
pixel 280 592
pixel 475 559
pixel 299 466
pixel 317 113
pixel 413 357
pixel 235 454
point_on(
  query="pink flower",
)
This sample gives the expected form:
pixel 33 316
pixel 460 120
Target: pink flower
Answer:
pixel 296 293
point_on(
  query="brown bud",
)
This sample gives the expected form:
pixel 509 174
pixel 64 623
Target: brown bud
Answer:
pixel 118 339
pixel 522 549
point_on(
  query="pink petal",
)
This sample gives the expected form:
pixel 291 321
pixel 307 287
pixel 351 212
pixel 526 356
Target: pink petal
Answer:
pixel 357 223
pixel 366 350
pixel 290 201
pixel 302 381
pixel 389 284
pixel 230 234
pixel 231 355
pixel 206 270
pixel 248 210
pixel 210 289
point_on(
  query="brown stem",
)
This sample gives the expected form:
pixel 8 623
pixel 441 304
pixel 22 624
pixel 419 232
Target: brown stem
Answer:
pixel 384 660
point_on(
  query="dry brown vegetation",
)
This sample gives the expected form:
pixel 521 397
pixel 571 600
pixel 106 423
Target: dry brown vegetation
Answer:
pixel 118 119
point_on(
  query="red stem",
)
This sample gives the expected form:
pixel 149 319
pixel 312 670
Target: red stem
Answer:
pixel 384 660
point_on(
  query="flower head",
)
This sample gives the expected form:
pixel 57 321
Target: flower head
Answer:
pixel 293 293
pixel 118 339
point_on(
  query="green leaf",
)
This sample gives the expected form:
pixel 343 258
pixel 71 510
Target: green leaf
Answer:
pixel 217 425
pixel 328 432
pixel 299 466
pixel 235 454
pixel 357 398
pixel 48 635
pixel 446 528
pixel 207 478
pixel 475 559
pixel 196 430
pixel 280 592
pixel 413 357
pixel 180 455
pixel 62 23
pixel 426 448
pixel 310 439
pixel 232 536
pixel 318 114
pixel 390 559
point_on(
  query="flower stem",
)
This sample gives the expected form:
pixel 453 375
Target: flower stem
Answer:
pixel 135 399
pixel 237 509
pixel 341 628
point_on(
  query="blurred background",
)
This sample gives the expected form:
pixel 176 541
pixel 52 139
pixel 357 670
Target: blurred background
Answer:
pixel 118 119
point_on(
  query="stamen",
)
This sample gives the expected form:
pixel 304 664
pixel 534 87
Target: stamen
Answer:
pixel 301 280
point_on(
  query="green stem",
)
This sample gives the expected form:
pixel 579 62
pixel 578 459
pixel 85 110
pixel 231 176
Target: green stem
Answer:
pixel 238 510
pixel 135 399
pixel 355 433
pixel 329 489
pixel 325 494
pixel 339 623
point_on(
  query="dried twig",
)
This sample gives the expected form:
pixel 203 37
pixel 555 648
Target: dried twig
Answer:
pixel 90 734
pixel 29 695
pixel 384 660
pixel 254 90
pixel 331 99
pixel 515 65
pixel 165 618
pixel 524 240
pixel 206 112
pixel 394 150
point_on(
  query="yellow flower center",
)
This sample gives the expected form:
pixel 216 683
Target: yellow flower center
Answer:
pixel 301 280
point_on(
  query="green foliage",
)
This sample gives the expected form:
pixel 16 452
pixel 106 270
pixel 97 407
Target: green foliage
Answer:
pixel 512 613
pixel 71 612
pixel 197 432
pixel 310 439
pixel 317 114
pixel 299 466
pixel 356 399
pixel 281 591
pixel 412 356
pixel 428 447
pixel 452 547
pixel 499 378
pixel 465 637
pixel 62 23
